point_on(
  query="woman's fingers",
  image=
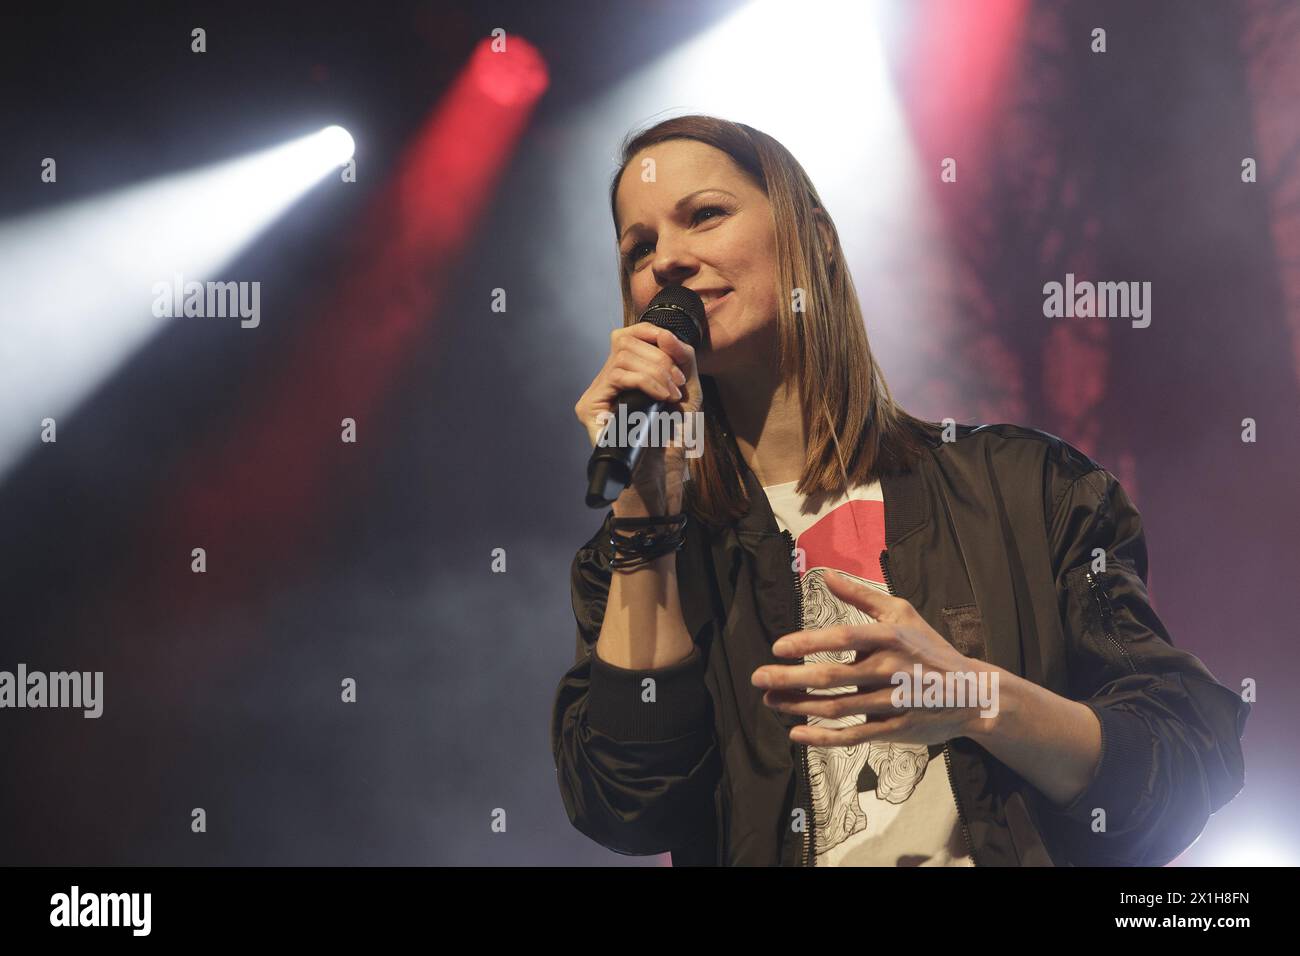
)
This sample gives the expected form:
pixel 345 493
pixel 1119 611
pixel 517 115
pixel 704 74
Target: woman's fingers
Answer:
pixel 650 381
pixel 682 355
pixel 645 358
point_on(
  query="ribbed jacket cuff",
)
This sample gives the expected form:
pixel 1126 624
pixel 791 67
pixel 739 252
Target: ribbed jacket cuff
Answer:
pixel 616 706
pixel 1121 775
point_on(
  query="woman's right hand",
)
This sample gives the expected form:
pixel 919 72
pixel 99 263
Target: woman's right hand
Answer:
pixel 645 357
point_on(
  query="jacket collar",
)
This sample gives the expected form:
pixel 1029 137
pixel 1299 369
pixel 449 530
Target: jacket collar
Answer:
pixel 756 535
pixel 911 496
pixel 907 506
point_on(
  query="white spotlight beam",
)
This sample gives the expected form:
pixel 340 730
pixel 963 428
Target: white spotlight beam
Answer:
pixel 76 283
pixel 816 76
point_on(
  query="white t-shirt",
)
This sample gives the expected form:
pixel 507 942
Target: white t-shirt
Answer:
pixel 874 804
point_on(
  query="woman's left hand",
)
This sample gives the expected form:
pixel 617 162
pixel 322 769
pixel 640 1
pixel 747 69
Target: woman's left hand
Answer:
pixel 899 640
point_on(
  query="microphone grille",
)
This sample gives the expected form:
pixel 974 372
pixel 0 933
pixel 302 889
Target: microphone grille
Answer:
pixel 680 311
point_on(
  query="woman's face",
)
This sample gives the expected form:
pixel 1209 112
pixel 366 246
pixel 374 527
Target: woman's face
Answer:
pixel 703 224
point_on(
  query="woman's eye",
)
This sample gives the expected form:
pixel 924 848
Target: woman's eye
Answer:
pixel 634 254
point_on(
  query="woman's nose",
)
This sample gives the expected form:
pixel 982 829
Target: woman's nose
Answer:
pixel 673 261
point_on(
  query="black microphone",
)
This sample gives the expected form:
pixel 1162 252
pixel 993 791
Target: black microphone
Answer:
pixel 610 470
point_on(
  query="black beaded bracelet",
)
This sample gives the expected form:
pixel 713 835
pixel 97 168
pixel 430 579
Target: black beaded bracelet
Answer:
pixel 652 538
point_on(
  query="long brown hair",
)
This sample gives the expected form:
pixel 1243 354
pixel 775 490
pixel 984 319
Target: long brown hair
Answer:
pixel 853 430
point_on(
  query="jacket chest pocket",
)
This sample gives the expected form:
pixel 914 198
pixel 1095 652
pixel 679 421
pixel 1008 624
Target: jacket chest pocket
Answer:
pixel 965 630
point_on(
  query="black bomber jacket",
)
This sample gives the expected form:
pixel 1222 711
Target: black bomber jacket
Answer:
pixel 991 537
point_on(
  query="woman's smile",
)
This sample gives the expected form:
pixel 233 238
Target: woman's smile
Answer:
pixel 712 305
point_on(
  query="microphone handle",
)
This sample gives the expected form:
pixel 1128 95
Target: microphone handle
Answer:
pixel 612 465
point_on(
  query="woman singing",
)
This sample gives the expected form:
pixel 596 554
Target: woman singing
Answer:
pixel 858 638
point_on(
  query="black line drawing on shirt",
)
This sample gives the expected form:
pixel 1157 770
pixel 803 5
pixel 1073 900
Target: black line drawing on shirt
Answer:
pixel 835 771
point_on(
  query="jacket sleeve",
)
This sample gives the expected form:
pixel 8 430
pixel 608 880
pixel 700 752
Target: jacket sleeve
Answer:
pixel 1171 734
pixel 637 775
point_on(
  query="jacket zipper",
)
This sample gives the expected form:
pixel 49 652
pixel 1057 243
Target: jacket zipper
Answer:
pixel 1104 614
pixel 806 855
pixel 947 756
